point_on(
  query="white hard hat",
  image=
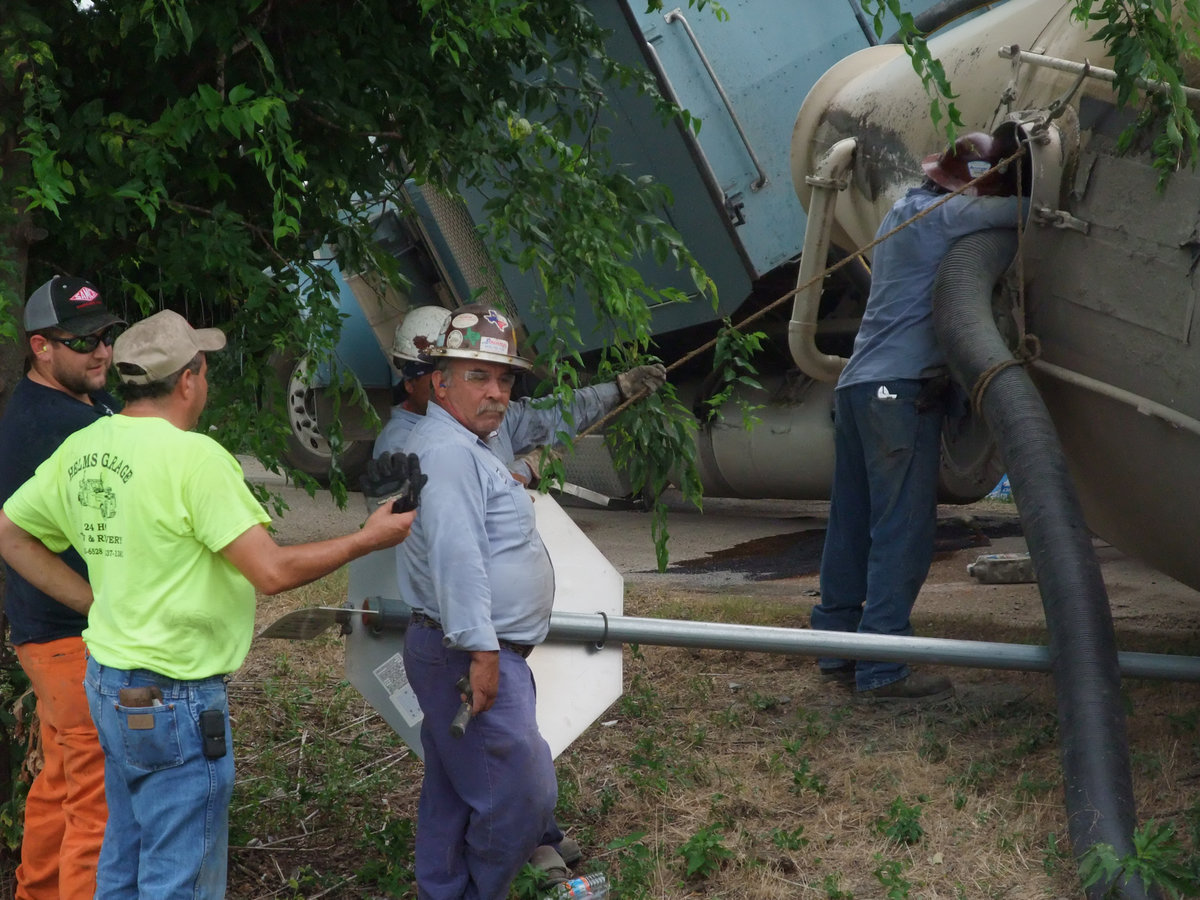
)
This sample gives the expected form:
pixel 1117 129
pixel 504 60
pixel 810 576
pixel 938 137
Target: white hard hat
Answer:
pixel 418 332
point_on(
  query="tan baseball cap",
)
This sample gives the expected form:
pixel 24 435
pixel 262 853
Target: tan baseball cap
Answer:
pixel 159 346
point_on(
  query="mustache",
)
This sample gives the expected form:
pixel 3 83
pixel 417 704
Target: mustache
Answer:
pixel 491 406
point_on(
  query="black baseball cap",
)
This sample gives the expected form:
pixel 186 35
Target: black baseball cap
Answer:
pixel 72 304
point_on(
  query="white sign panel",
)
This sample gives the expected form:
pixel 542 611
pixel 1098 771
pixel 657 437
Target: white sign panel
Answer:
pixel 576 682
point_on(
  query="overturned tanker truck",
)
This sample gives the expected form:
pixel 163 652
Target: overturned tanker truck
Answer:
pixel 1098 427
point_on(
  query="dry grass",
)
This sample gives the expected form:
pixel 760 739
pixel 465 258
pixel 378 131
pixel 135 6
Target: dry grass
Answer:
pixel 811 792
pixel 317 767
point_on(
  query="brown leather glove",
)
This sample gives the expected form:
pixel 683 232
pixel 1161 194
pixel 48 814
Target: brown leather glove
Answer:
pixel 533 463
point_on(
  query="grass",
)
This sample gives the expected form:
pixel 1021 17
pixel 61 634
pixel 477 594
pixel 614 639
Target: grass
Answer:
pixel 726 774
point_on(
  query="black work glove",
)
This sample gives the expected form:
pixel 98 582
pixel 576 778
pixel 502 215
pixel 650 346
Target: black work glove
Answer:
pixel 396 477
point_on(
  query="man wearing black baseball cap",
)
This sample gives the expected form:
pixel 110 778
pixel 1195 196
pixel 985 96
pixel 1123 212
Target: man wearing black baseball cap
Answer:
pixel 175 546
pixel 70 337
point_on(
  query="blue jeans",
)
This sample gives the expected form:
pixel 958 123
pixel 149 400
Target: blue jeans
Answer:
pixel 488 797
pixel 168 805
pixel 879 544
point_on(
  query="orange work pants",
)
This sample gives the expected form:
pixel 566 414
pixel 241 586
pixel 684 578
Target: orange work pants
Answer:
pixel 65 810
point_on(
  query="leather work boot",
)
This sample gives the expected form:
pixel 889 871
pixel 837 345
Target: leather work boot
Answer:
pixel 915 686
pixel 554 870
pixel 570 851
pixel 839 676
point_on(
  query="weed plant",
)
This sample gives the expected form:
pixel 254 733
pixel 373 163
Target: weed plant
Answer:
pixel 704 853
pixel 902 823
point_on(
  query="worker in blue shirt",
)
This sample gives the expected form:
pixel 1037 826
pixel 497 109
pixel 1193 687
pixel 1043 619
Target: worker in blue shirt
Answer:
pixel 888 412
pixel 480 581
pixel 517 442
pixel 421 328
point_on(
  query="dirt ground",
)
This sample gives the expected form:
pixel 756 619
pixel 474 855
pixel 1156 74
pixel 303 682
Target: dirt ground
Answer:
pixel 741 775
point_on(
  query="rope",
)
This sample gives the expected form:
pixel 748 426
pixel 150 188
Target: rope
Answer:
pixel 800 288
pixel 1029 349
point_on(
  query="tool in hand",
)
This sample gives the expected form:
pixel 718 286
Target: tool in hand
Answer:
pixel 458 726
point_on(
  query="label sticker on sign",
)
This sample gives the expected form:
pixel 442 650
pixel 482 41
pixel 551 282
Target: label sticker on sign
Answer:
pixel 391 674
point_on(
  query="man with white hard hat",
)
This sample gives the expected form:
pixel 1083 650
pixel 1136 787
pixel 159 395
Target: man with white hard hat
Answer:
pixel 415 335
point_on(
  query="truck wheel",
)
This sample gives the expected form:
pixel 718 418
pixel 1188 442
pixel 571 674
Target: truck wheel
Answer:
pixel 971 464
pixel 307 449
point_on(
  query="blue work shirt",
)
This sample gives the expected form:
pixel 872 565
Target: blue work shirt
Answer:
pixel 527 425
pixel 474 560
pixel 394 436
pixel 896 338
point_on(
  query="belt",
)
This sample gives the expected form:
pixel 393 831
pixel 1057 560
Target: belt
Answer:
pixel 522 650
pixel 419 618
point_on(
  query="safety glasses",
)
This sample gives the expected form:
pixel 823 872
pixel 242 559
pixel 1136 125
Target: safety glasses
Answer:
pixel 506 380
pixel 88 343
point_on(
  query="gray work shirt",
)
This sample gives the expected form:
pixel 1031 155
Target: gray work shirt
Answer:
pixel 896 338
pixel 473 560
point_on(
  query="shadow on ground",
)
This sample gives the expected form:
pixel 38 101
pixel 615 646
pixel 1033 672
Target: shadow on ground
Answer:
pixel 798 553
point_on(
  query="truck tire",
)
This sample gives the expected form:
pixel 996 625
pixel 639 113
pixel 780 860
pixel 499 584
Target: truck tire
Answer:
pixel 971 465
pixel 307 449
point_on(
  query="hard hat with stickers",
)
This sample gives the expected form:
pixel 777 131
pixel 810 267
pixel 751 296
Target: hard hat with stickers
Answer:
pixel 478 331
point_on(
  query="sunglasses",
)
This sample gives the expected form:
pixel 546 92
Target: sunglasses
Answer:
pixel 87 343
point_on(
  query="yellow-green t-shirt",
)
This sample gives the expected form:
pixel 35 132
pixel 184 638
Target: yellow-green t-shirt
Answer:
pixel 149 507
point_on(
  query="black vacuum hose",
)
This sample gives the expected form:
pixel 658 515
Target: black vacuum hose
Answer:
pixel 1092 735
